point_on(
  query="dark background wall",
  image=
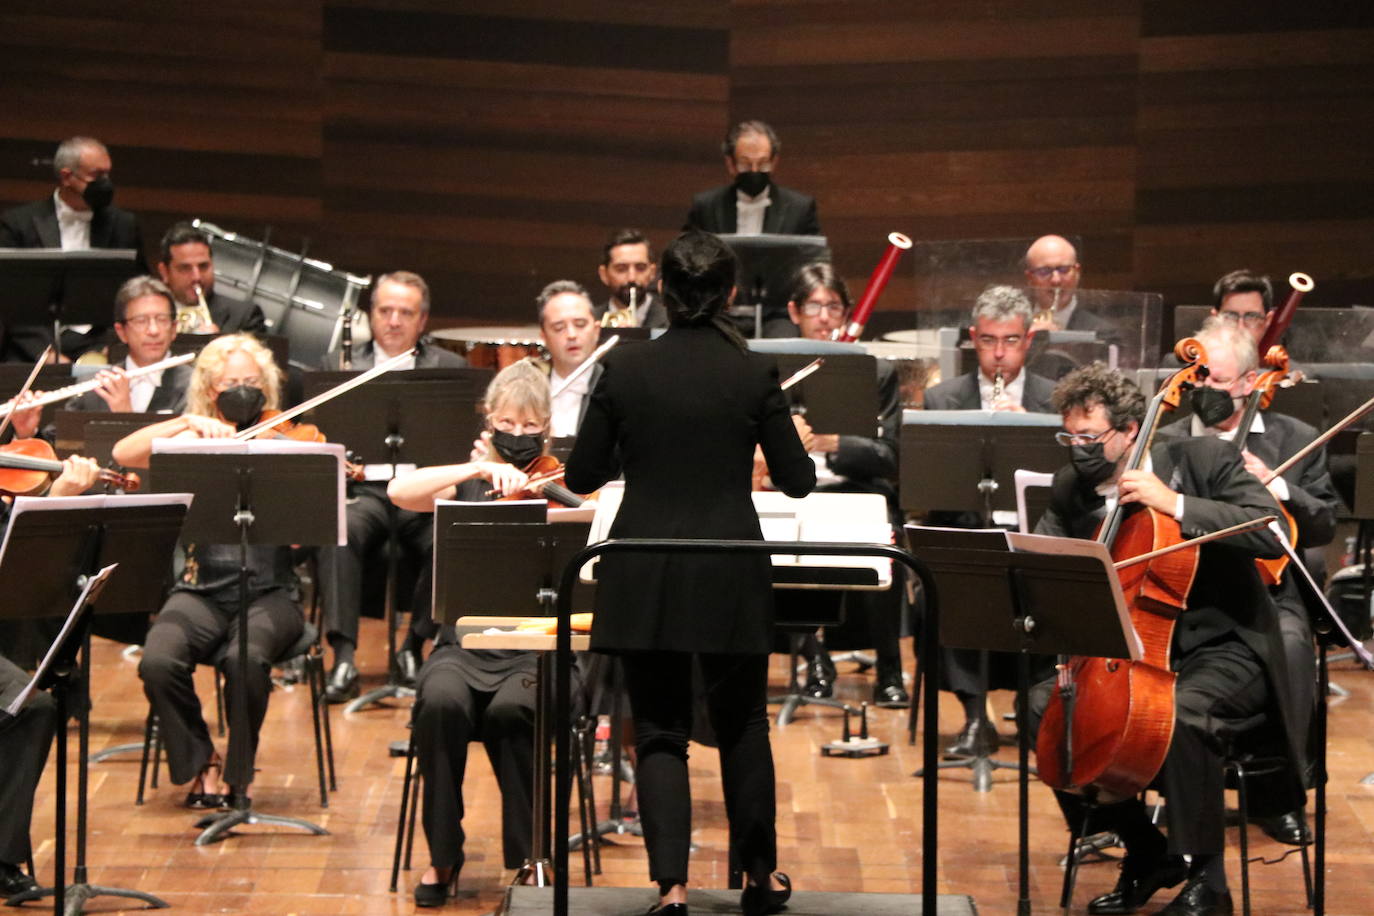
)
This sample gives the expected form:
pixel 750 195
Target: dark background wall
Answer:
pixel 491 146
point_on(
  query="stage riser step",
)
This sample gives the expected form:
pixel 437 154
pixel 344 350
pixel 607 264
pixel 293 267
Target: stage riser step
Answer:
pixel 634 901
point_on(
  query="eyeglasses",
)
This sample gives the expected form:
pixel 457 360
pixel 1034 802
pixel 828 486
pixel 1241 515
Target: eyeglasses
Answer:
pixel 251 381
pixel 1044 273
pixel 812 309
pixel 514 428
pixel 988 341
pixel 1249 319
pixel 143 322
pixel 1064 437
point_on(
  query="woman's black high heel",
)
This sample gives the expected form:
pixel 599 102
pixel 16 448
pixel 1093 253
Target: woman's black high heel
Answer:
pixel 760 899
pixel 204 800
pixel 438 893
pixel 669 909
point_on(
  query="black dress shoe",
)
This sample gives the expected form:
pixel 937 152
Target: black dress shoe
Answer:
pixel 343 683
pixel 407 666
pixel 978 738
pixel 760 899
pixel 820 677
pixel 1138 883
pixel 1198 899
pixel 668 909
pixel 1290 828
pixel 890 693
pixel 13 881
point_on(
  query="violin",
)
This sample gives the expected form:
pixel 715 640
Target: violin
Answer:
pixel 286 429
pixel 27 466
pixel 1275 376
pixel 545 482
pixel 1109 722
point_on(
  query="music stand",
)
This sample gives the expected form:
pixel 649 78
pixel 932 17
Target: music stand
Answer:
pixel 1026 593
pixel 394 417
pixel 767 265
pixel 261 492
pixel 52 548
pixel 832 398
pixel 47 287
pixel 503 559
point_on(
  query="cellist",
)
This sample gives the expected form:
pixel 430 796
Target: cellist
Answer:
pixel 1305 491
pixel 1226 648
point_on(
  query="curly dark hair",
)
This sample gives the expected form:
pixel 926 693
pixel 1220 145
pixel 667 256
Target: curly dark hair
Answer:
pixel 1095 384
pixel 698 272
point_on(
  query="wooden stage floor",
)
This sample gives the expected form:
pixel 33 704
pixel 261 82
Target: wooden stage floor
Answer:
pixel 844 825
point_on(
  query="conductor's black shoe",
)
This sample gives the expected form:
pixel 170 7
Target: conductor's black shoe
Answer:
pixel 437 894
pixel 820 677
pixel 978 738
pixel 343 683
pixel 1198 899
pixel 669 909
pixel 407 667
pixel 1138 883
pixel 760 899
pixel 13 881
pixel 890 692
pixel 1290 828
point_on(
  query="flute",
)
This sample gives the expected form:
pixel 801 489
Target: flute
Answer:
pixel 71 391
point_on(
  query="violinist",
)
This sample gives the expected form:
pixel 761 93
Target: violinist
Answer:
pixel 1305 491
pixel 234 381
pixel 462 694
pixel 397 317
pixel 1231 671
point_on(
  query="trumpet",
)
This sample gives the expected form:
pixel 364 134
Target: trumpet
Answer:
pixel 622 318
pixel 192 318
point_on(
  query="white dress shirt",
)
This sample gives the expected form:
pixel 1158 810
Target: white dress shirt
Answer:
pixel 1011 391
pixel 380 356
pixel 567 404
pixel 75 225
pixel 749 212
pixel 141 389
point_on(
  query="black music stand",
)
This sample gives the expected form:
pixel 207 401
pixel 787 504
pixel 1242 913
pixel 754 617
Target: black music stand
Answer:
pixel 767 265
pixel 1026 594
pixel 832 398
pixel 261 492
pixel 417 416
pixel 52 547
pixel 503 559
pixel 47 287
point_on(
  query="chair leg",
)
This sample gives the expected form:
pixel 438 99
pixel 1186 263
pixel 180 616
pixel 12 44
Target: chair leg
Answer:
pixel 148 725
pixel 589 762
pixel 157 752
pixel 401 818
pixel 1071 860
pixel 414 815
pixel 315 703
pixel 219 701
pixel 1238 769
pixel 319 681
pixel 581 767
pixel 913 714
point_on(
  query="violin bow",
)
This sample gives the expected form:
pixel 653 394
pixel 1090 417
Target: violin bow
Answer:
pixel 586 365
pixel 312 403
pixel 28 383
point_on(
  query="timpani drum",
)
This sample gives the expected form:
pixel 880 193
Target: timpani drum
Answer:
pixel 492 347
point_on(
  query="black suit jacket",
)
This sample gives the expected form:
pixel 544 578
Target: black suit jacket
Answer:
pixel 961 393
pixel 168 397
pixel 681 415
pixel 789 212
pixel 237 316
pixel 655 317
pixel 431 356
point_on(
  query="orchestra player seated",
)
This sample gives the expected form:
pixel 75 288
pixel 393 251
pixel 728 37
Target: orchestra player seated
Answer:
pixel 1226 646
pixel 628 271
pixel 1001 332
pixel 234 380
pixel 569 331
pixel 187 265
pixel 397 315
pixel 465 695
pixel 819 305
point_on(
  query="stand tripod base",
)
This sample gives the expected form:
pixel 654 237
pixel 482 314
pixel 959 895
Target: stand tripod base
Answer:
pixel 982 768
pixel 99 756
pixel 76 896
pixel 217 826
pixel 791 702
pixel 385 692
pixel 616 826
pixel 534 873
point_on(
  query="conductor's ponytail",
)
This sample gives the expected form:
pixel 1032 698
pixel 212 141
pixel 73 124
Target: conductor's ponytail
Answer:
pixel 698 272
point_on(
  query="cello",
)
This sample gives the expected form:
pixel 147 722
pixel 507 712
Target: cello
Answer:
pixel 1109 722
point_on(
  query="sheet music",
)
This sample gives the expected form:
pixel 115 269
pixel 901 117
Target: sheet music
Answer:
pixel 88 594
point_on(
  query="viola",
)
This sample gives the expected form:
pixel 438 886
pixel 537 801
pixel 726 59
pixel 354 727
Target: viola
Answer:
pixel 1275 376
pixel 27 466
pixel 1109 722
pixel 545 482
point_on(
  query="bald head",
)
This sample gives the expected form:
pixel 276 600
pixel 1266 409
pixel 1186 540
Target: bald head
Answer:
pixel 1052 269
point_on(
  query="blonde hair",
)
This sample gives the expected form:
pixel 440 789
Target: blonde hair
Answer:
pixel 521 386
pixel 200 396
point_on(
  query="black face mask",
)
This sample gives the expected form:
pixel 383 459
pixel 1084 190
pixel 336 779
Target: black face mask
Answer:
pixel 753 183
pixel 1211 405
pixel 241 405
pixel 99 193
pixel 1090 461
pixel 518 450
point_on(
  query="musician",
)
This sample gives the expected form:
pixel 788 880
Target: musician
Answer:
pixel 1305 491
pixel 26 739
pixel 818 306
pixel 78 215
pixel 186 263
pixel 569 330
pixel 681 415
pixel 235 379
pixel 1246 299
pixel 145 321
pixel 1226 647
pixel 1053 271
pixel 397 317
pixel 627 264
pixel 752 204
pixel 1001 331
pixel 464 694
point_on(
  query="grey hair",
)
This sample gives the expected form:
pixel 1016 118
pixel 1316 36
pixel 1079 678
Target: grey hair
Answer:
pixel 762 128
pixel 1217 332
pixel 68 155
pixel 1002 303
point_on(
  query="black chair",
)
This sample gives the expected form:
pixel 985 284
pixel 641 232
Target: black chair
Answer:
pixel 1240 768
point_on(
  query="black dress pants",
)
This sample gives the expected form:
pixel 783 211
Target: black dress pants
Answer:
pixel 660 689
pixel 188 631
pixel 449 713
pixel 24 745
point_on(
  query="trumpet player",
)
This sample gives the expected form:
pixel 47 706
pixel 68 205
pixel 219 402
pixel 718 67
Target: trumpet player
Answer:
pixel 187 266
pixel 629 272
pixel 1053 271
